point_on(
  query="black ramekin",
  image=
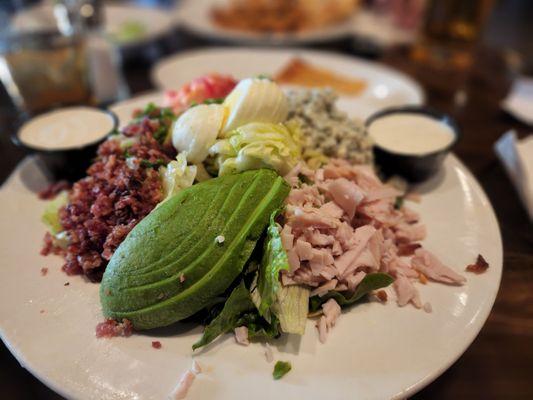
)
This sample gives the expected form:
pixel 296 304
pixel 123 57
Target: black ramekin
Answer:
pixel 413 167
pixel 70 164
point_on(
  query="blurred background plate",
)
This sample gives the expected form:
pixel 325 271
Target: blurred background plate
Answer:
pixel 128 25
pixel 384 86
pixel 195 17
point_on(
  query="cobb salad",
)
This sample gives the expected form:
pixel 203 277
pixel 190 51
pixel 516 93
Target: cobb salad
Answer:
pixel 244 209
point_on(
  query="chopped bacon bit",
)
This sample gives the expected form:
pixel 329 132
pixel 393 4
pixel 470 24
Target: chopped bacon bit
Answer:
pixel 111 328
pixel 105 206
pixel 408 249
pixel 382 295
pixel 107 292
pixel 53 190
pixel 182 278
pixel 422 278
pixel 66 284
pixel 414 197
pixel 44 271
pixel 41 312
pixel 480 266
pixel 156 344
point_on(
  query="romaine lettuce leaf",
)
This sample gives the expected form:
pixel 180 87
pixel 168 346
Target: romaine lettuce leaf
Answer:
pixel 237 304
pixel 274 261
pixel 369 283
pixel 288 304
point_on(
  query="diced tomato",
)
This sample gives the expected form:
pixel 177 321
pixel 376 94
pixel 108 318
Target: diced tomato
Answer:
pixel 212 86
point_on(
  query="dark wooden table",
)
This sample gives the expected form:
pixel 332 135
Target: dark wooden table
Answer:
pixel 499 364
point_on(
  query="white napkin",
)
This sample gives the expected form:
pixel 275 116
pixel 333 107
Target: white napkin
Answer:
pixel 519 102
pixel 517 159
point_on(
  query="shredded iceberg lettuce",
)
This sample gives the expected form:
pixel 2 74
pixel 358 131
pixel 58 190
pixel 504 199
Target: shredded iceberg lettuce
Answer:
pixel 50 216
pixel 177 175
pixel 258 145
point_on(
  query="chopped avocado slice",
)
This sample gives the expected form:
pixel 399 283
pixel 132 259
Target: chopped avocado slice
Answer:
pixel 169 267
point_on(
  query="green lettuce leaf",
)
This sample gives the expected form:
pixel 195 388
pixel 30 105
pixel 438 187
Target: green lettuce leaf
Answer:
pixel 50 215
pixel 274 261
pixel 289 304
pixel 238 303
pixel 281 369
pixel 369 283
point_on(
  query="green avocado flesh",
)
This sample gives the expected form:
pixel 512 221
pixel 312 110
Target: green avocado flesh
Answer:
pixel 170 266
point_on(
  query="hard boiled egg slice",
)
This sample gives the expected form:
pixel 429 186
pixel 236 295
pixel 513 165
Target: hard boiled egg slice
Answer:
pixel 255 100
pixel 196 130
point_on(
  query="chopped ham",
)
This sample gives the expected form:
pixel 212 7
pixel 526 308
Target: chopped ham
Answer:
pixel 346 194
pixel 408 249
pixel 319 239
pixel 331 311
pixel 326 287
pixel 426 263
pixel 287 238
pixel 384 192
pixel 331 209
pixel 359 239
pixel 241 335
pixel 304 250
pixel 294 261
pixel 354 280
pixel 302 219
pixel 344 223
pixel 183 386
pixel 406 292
pixel 410 232
pixel 322 329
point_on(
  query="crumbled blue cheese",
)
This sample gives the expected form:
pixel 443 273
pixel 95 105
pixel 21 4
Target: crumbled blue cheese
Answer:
pixel 327 129
pixel 220 239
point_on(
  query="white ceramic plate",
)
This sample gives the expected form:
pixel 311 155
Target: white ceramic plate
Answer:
pixel 385 86
pixel 376 351
pixel 154 22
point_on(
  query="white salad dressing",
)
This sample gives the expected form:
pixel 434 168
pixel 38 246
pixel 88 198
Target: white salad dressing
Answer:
pixel 66 128
pixel 410 133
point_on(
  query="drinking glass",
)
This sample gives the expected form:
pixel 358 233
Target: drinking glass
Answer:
pixel 40 66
